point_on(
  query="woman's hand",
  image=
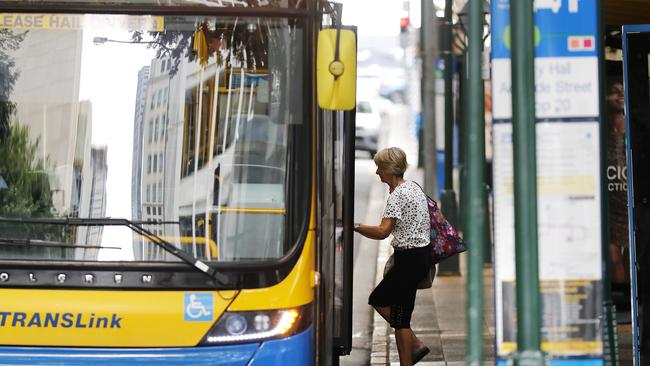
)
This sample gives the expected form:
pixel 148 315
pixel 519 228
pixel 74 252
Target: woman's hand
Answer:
pixel 380 232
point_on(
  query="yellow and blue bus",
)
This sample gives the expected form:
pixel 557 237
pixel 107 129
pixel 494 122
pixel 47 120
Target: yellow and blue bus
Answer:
pixel 132 133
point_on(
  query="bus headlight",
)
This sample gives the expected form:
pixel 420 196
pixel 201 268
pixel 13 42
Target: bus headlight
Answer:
pixel 254 326
pixel 236 324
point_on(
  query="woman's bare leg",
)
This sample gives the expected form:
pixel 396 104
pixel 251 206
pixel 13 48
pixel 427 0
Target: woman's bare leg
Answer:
pixel 416 342
pixel 384 311
pixel 404 340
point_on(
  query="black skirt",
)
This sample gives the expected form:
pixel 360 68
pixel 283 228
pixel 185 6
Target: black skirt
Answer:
pixel 399 286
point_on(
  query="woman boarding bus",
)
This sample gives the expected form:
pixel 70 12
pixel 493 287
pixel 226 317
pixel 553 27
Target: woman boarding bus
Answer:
pixel 170 191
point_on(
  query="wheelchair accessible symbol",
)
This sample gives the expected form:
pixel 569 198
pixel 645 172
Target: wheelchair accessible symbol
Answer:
pixel 198 307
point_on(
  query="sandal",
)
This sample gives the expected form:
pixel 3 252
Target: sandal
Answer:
pixel 419 355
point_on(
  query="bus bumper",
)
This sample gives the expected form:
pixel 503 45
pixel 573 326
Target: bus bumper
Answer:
pixel 295 350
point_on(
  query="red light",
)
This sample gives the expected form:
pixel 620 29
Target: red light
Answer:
pixel 404 22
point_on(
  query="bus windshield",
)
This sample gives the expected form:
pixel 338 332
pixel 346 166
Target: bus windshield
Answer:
pixel 183 125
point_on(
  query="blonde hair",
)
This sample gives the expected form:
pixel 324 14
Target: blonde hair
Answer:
pixel 392 160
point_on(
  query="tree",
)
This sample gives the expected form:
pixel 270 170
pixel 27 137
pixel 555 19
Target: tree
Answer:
pixel 174 45
pixel 9 41
pixel 28 189
pixel 237 44
pixel 28 194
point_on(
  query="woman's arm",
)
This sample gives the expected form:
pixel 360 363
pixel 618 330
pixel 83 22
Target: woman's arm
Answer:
pixel 377 232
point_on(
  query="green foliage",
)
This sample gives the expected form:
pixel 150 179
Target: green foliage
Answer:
pixel 28 195
pixel 174 45
pixel 9 41
pixel 29 191
pixel 236 43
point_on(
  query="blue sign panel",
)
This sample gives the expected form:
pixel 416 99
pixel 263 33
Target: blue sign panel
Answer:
pixel 199 307
pixel 568 166
pixel 563 28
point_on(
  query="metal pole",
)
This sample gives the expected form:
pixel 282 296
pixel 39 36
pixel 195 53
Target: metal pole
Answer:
pixel 477 208
pixel 462 142
pixel 611 355
pixel 448 199
pixel 420 131
pixel 449 101
pixel 525 183
pixel 429 97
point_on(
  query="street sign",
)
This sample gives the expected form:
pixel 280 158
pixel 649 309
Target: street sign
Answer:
pixel 568 179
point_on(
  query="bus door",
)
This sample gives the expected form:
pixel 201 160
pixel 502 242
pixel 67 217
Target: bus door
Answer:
pixel 335 258
pixel 636 54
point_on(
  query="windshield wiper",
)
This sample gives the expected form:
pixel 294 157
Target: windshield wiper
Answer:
pixel 107 221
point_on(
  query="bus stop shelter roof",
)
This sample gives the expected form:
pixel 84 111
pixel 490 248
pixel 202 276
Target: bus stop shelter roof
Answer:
pixel 619 12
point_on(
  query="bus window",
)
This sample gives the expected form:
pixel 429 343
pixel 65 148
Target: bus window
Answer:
pixel 73 146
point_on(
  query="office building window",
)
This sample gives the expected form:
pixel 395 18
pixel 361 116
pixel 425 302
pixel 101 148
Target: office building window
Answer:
pixel 150 139
pixel 162 127
pixel 155 130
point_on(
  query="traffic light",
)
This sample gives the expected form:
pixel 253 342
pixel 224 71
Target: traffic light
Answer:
pixel 405 19
pixel 404 24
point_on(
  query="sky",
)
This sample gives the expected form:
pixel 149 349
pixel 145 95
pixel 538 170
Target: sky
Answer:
pixel 373 17
pixel 381 17
pixel 110 83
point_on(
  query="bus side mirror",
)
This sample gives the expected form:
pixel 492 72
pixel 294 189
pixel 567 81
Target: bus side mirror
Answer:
pixel 336 68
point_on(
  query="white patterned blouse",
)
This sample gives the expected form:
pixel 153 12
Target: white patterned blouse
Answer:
pixel 408 204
